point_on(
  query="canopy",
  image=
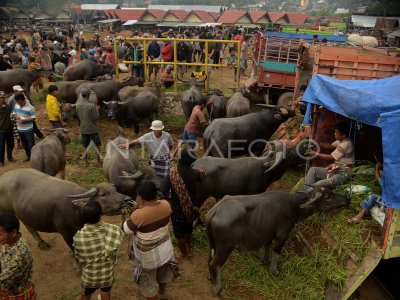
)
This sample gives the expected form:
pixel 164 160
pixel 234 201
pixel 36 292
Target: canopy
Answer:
pixel 374 102
pixel 306 37
pixel 108 21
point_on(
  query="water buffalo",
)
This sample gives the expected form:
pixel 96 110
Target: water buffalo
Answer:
pixel 252 222
pixel 132 91
pixel 107 90
pixel 86 70
pixel 56 37
pixel 10 78
pixel 66 90
pixel 48 156
pixel 238 105
pixel 134 110
pixel 121 168
pixel 190 97
pixel 245 175
pixel 216 106
pixel 47 204
pixel 232 137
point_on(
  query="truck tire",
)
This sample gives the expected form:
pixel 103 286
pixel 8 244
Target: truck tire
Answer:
pixel 286 100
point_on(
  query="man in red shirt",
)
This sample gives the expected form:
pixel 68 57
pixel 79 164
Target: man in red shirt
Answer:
pixel 167 52
pixel 109 58
pixel 193 127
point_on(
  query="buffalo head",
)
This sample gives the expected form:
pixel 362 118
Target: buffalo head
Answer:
pixel 113 107
pixel 322 199
pixel 106 194
pixel 145 173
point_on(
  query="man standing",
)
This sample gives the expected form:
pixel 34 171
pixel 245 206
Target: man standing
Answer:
pixel 15 261
pixel 193 127
pixel 152 246
pixel 243 57
pixel 153 52
pixel 6 130
pixel 24 114
pixel 96 246
pixel 159 144
pixel 88 115
pixel 53 108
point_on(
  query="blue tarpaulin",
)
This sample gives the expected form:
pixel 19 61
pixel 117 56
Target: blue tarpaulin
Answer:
pixel 374 102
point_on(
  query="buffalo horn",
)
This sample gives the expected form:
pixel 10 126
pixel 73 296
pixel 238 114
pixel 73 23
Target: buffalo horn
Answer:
pixel 88 194
pixel 316 197
pixel 50 129
pixel 266 105
pixel 73 105
pixel 65 130
pixel 184 81
pixel 106 102
pixel 278 159
pixel 137 175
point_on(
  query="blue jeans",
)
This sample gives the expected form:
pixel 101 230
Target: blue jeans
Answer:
pixel 370 202
pixel 27 141
pixel 6 138
pixel 190 138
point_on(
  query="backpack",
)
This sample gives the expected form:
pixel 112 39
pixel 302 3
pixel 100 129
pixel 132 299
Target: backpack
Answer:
pixel 182 51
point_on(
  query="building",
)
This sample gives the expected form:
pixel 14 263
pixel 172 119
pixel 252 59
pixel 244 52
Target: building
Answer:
pixel 208 8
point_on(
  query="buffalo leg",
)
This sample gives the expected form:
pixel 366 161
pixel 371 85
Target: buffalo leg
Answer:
pixel 264 259
pixel 41 244
pixel 121 131
pixel 215 266
pixel 280 240
pixel 274 261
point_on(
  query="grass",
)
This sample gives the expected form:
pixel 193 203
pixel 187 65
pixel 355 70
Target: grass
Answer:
pixel 39 97
pixel 174 123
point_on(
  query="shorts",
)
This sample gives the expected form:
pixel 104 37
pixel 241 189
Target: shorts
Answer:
pixel 89 291
pixel 149 280
pixel 189 137
pixel 86 138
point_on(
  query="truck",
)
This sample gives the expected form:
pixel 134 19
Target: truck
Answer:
pixel 275 64
pixel 353 63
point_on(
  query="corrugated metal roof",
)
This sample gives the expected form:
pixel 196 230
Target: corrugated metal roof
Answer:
pixel 231 16
pixel 257 15
pixel 129 14
pixel 275 16
pixel 297 18
pixel 209 8
pixel 99 6
pixel 179 13
pixel 364 21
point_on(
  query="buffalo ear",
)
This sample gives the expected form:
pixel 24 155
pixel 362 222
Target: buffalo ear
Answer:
pixel 80 202
pixel 278 117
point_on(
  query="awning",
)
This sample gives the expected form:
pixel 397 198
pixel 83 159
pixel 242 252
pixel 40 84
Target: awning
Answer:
pixel 130 22
pixel 146 23
pixel 168 24
pixel 190 25
pixel 108 21
pixel 211 24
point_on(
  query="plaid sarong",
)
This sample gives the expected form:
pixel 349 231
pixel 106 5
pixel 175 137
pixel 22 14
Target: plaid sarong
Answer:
pixel 15 130
pixel 190 211
pixel 161 165
pixel 27 293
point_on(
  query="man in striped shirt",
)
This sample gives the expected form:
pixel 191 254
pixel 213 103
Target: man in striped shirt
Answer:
pixel 24 114
pixel 342 158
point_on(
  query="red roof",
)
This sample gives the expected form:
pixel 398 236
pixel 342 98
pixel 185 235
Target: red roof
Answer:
pixel 214 15
pixel 203 15
pixel 179 13
pixel 231 16
pixel 129 14
pixel 275 16
pixel 111 13
pixel 157 13
pixel 257 15
pixel 297 18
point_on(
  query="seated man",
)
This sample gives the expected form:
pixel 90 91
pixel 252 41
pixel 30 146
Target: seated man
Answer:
pixel 342 158
pixel 199 74
pixel 372 201
pixel 167 77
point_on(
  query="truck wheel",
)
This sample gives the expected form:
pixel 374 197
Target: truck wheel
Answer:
pixel 286 100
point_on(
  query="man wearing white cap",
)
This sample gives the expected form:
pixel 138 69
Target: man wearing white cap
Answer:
pixel 159 144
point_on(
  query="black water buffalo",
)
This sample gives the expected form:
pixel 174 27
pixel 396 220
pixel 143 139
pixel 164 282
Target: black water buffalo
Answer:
pixel 86 70
pixel 238 105
pixel 190 97
pixel 247 134
pixel 252 222
pixel 132 91
pixel 245 175
pixel 121 168
pixel 107 90
pixel 130 113
pixel 66 90
pixel 216 106
pixel 13 77
pixel 48 156
pixel 47 204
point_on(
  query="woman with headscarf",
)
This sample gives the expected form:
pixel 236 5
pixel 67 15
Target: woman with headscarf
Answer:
pixel 181 182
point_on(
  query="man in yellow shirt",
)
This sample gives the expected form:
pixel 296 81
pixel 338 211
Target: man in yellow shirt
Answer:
pixel 53 108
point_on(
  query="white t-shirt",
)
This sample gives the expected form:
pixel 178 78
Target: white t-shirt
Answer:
pixel 343 154
pixel 157 147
